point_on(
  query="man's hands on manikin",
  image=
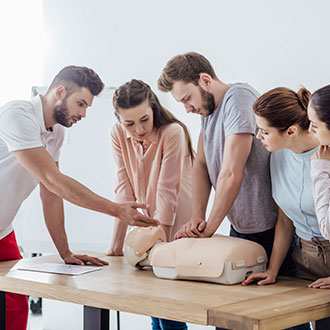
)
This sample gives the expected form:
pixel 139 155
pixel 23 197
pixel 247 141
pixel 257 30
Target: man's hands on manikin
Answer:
pixel 193 228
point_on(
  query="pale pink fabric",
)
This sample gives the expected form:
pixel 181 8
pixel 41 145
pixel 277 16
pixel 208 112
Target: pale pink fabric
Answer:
pixel 160 177
pixel 320 172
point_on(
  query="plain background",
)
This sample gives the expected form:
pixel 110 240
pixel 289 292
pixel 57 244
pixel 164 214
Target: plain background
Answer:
pixel 265 43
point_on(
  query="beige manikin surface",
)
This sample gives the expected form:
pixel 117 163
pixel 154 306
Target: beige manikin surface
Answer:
pixel 199 257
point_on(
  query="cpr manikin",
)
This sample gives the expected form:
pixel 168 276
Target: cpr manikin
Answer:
pixel 218 259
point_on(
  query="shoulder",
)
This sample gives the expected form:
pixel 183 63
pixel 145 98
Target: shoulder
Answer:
pixel 242 89
pixel 280 159
pixel 17 109
pixel 18 116
pixel 277 156
pixel 117 130
pixel 171 131
pixel 240 93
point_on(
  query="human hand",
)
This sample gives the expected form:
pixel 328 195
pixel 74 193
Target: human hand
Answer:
pixel 321 283
pixel 267 277
pixel 192 228
pixel 113 252
pixel 127 213
pixel 322 153
pixel 83 259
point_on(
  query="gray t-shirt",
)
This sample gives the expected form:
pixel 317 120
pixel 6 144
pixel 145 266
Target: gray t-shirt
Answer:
pixel 254 210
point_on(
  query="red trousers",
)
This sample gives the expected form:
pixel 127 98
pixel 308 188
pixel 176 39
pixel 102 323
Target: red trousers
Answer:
pixel 17 307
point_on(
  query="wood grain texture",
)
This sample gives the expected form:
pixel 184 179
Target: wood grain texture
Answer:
pixel 120 287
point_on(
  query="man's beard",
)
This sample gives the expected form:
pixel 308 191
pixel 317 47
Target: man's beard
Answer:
pixel 61 114
pixel 208 101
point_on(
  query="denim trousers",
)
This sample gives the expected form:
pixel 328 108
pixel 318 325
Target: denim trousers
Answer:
pixel 162 324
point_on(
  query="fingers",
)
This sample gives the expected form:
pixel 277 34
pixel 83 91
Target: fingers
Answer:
pixel 267 280
pixel 202 226
pixel 321 283
pixel 141 220
pixel 255 277
pixel 251 279
pixel 73 261
pixel 139 205
pixel 114 253
pixel 82 259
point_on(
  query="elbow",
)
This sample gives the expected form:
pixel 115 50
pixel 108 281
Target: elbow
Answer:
pixel 53 183
pixel 235 178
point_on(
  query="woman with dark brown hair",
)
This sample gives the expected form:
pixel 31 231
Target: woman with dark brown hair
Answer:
pixel 281 116
pixel 154 155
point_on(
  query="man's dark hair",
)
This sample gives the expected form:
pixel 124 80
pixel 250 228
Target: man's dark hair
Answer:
pixel 75 77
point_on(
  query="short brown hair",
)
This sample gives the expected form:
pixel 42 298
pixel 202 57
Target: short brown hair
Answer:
pixel 187 68
pixel 283 107
pixel 75 77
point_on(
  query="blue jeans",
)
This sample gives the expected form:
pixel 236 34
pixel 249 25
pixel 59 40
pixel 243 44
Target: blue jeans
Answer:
pixel 162 324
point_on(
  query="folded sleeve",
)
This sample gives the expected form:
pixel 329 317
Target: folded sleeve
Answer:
pixel 239 116
pixel 124 191
pixel 320 172
pixel 168 187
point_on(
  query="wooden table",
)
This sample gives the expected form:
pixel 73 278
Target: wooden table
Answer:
pixel 119 287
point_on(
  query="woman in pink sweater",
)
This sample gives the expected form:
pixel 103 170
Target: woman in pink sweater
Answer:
pixel 319 115
pixel 154 155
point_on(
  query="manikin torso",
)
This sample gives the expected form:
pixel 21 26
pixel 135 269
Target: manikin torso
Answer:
pixel 219 259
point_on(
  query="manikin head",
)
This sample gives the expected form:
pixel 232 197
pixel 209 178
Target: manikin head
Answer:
pixel 139 111
pixel 319 114
pixel 189 78
pixel 281 116
pixel 74 88
pixel 139 242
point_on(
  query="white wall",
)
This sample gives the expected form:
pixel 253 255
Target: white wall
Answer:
pixel 265 43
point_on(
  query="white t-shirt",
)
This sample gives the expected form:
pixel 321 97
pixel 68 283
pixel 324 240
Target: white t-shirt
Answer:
pixel 22 126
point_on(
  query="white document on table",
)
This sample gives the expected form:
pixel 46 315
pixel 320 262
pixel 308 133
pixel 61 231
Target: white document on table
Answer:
pixel 63 269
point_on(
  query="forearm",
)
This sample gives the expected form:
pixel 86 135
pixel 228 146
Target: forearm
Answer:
pixel 54 219
pixel 78 194
pixel 228 187
pixel 118 236
pixel 283 236
pixel 201 188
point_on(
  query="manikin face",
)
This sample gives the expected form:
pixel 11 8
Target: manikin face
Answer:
pixel 70 110
pixel 318 127
pixel 270 137
pixel 194 98
pixel 138 121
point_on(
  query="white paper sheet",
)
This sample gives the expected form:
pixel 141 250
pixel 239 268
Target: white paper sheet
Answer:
pixel 63 269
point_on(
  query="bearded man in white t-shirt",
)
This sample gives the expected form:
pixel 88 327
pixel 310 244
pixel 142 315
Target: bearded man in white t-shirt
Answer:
pixel 31 135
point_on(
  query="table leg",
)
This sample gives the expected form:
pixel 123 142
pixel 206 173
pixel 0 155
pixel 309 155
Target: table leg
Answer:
pixel 2 310
pixel 96 318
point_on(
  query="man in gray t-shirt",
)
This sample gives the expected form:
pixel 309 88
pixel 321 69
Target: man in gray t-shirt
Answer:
pixel 229 157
